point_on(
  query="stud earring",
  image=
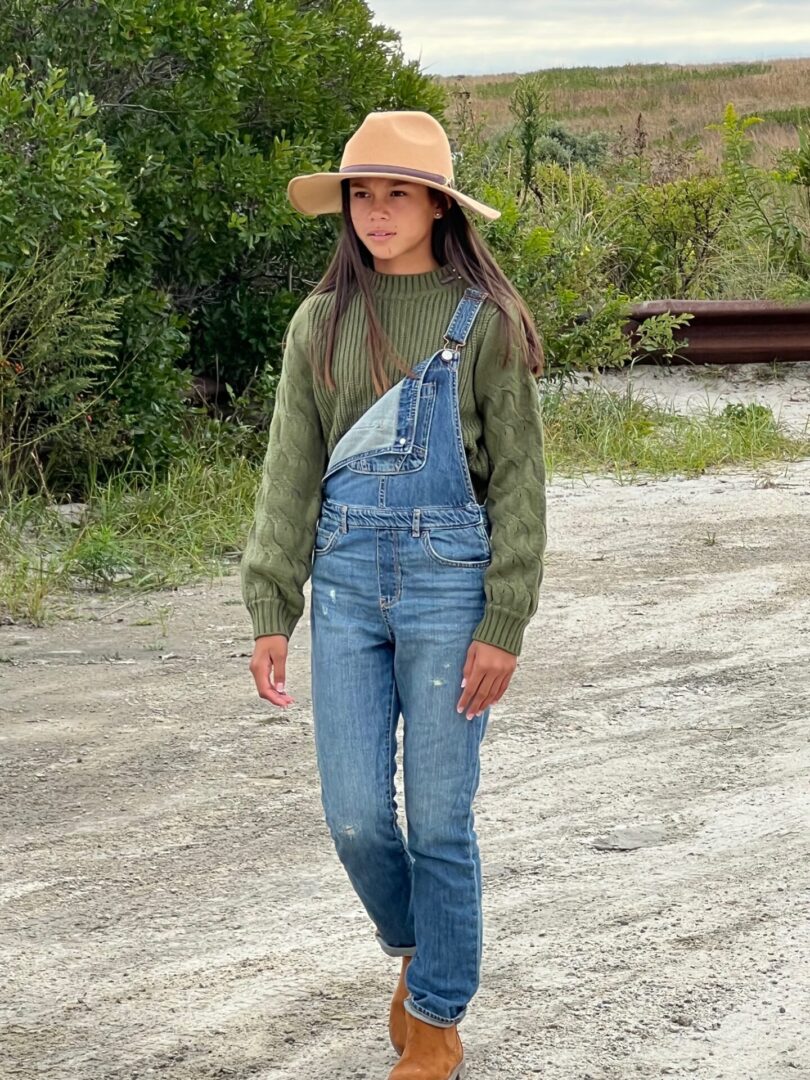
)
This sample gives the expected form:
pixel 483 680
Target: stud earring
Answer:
pixel 437 215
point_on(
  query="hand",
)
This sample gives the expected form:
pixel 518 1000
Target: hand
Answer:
pixel 270 655
pixel 486 675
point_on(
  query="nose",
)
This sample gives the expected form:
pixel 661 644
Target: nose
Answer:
pixel 377 205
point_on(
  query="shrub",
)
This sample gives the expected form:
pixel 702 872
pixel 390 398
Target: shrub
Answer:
pixel 203 112
pixel 62 210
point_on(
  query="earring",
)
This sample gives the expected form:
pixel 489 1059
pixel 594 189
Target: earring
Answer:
pixel 437 215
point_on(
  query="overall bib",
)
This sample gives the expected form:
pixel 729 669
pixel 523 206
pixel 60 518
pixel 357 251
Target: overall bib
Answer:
pixel 397 590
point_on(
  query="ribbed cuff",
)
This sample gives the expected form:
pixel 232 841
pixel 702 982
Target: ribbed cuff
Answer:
pixel 501 628
pixel 271 617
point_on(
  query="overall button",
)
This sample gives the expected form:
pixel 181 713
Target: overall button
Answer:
pixel 402 442
pixel 447 354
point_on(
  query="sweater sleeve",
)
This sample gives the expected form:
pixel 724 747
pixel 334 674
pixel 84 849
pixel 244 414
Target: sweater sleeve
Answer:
pixel 508 400
pixel 277 558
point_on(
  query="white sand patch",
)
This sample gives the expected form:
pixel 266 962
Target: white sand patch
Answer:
pixel 694 388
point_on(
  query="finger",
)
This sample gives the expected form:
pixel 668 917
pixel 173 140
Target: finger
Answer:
pixel 466 675
pixel 469 691
pixel 482 697
pixel 261 676
pixel 469 662
pixel 502 685
pixel 277 698
pixel 260 670
pixel 493 692
pixel 279 670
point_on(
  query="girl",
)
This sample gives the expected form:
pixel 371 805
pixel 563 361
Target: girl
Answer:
pixel 405 474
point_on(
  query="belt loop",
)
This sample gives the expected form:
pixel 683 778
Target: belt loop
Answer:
pixel 344 524
pixel 415 523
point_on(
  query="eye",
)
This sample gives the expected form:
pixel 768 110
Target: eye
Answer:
pixel 398 191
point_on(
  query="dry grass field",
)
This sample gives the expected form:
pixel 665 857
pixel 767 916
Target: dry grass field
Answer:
pixel 675 101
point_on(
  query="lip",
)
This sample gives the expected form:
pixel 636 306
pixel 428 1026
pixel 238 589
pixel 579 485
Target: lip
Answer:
pixel 380 235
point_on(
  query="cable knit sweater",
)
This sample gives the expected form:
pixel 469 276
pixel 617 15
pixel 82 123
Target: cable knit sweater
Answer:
pixel 503 439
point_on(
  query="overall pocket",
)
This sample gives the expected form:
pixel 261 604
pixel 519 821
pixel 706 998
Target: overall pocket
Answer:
pixel 464 546
pixel 407 455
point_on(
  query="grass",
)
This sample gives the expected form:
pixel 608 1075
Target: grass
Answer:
pixel 673 98
pixel 620 434
pixel 617 77
pixel 140 533
pixel 796 115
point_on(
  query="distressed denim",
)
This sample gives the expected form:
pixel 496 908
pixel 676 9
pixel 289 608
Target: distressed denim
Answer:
pixel 397 591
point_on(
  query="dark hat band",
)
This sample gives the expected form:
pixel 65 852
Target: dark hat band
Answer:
pixel 400 170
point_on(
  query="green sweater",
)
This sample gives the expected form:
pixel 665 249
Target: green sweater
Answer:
pixel 503 438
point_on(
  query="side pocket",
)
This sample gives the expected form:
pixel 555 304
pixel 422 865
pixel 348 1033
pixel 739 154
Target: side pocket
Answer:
pixel 326 537
pixel 466 547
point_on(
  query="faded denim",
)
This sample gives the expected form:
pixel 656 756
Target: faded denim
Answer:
pixel 397 591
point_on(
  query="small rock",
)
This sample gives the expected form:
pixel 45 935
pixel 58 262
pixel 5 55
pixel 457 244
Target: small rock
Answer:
pixel 72 512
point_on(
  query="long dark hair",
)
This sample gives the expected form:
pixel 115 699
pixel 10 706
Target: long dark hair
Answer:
pixel 455 242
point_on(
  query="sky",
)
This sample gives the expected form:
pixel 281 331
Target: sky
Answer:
pixel 478 37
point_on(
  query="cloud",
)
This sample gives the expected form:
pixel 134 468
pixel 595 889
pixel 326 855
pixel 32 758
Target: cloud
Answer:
pixel 469 36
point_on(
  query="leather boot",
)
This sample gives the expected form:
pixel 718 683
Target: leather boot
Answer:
pixel 431 1052
pixel 396 1017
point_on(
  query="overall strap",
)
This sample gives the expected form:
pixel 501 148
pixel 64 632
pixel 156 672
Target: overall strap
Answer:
pixel 460 325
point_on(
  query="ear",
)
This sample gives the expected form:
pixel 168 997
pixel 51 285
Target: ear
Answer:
pixel 440 203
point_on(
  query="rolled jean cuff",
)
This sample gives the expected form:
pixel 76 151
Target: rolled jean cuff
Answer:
pixel 429 1017
pixel 394 950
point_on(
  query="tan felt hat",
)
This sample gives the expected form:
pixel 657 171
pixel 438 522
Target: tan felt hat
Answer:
pixel 406 145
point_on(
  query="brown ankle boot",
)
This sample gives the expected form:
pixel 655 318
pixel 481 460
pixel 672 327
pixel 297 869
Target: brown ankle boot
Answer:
pixel 431 1052
pixel 396 1017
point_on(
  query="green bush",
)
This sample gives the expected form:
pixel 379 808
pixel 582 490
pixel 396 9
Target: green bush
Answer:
pixel 668 236
pixel 766 210
pixel 558 251
pixel 62 211
pixel 203 112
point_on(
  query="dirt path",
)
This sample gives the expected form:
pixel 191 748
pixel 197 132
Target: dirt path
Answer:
pixel 172 905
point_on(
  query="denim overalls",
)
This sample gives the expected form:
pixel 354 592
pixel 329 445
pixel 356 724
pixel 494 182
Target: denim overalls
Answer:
pixel 397 591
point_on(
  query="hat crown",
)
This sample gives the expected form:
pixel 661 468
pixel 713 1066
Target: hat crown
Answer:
pixel 408 140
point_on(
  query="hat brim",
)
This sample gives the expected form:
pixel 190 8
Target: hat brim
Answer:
pixel 319 193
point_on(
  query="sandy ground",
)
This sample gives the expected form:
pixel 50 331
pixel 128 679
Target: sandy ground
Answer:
pixel 172 906
pixel 684 388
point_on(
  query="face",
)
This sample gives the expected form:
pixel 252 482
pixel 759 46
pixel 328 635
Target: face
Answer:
pixel 394 220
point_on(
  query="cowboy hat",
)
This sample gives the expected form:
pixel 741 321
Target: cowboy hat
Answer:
pixel 407 145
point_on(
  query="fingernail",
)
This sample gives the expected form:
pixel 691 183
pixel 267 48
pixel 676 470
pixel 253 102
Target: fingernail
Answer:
pixel 463 682
pixel 280 687
pixel 459 708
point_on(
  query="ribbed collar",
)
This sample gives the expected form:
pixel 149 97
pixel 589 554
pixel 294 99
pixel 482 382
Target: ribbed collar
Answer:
pixel 402 286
